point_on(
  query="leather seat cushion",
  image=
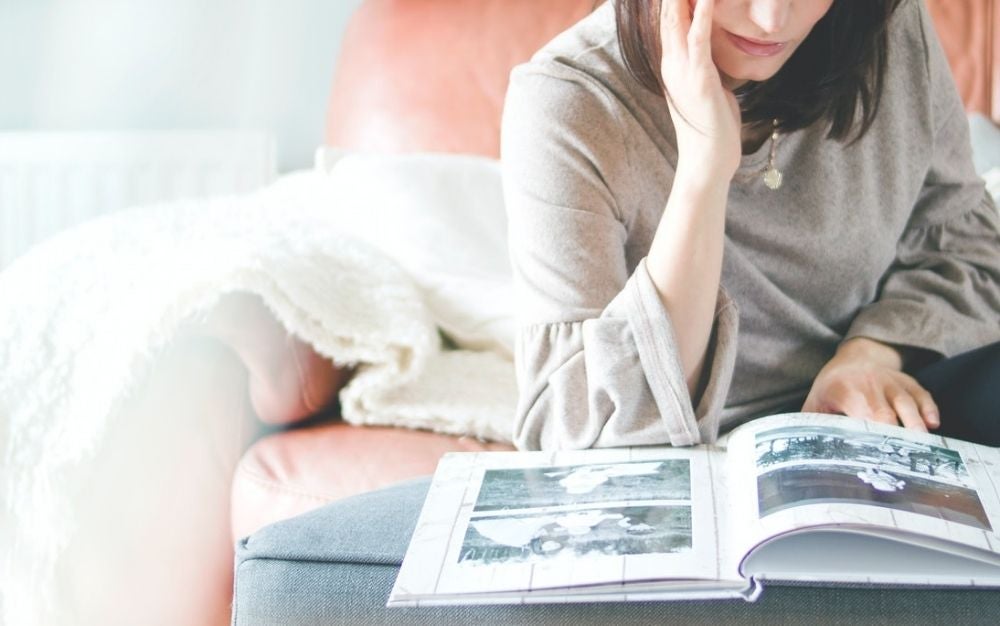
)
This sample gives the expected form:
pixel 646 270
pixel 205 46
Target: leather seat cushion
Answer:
pixel 291 472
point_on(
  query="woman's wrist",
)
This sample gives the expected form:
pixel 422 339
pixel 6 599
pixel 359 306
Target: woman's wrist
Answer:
pixel 872 351
pixel 702 183
pixel 899 357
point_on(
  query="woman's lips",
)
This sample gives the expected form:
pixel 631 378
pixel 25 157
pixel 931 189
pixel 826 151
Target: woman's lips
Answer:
pixel 756 48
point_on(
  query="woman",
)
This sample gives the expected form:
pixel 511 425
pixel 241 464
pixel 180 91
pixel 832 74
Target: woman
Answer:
pixel 721 209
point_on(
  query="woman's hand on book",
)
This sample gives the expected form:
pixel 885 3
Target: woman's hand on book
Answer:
pixel 865 379
pixel 705 114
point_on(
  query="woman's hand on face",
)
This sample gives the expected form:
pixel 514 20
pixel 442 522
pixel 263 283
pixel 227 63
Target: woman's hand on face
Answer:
pixel 864 379
pixel 705 114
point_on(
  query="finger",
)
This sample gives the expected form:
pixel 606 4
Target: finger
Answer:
pixel 814 405
pixel 699 37
pixel 811 405
pixel 849 402
pixel 925 402
pixel 906 408
pixel 675 23
pixel 882 411
pixel 870 405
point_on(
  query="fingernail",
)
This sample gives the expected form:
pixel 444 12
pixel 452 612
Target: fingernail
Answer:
pixel 933 419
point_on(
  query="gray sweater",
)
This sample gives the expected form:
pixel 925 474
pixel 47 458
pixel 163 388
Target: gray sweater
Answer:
pixel 893 238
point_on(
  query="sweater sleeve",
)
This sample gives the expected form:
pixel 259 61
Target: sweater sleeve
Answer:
pixel 596 358
pixel 942 293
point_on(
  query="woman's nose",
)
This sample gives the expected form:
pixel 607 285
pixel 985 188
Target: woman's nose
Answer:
pixel 770 16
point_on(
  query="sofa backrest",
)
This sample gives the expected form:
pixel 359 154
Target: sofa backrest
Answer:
pixel 418 75
pixel 970 34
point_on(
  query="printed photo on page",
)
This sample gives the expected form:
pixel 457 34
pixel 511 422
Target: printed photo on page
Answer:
pixel 798 466
pixel 563 525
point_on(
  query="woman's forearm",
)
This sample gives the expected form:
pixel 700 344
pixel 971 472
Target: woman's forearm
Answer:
pixel 685 259
pixel 685 264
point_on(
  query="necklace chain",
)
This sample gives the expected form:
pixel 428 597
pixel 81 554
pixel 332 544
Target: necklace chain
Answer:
pixel 772 175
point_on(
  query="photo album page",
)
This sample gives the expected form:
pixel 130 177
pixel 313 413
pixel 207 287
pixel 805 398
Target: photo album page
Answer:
pixel 578 522
pixel 806 470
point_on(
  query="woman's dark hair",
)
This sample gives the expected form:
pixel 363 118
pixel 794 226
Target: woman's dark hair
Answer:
pixel 839 67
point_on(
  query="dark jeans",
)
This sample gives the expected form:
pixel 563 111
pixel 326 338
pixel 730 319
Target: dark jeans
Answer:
pixel 966 388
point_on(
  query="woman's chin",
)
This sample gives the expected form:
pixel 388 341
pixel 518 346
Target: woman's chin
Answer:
pixel 732 84
pixel 738 79
pixel 739 73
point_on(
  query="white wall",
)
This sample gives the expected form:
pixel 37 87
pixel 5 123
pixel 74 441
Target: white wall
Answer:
pixel 162 64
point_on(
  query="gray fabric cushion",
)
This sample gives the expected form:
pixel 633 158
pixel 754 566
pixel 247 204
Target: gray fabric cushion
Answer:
pixel 337 564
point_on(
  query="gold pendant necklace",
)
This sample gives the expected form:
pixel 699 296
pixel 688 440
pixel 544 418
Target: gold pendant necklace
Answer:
pixel 772 175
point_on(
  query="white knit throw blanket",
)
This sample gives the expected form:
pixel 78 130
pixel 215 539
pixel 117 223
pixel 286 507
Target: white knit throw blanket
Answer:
pixel 84 316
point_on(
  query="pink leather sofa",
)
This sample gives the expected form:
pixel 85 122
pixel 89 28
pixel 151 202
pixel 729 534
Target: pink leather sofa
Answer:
pixel 430 75
pixel 420 75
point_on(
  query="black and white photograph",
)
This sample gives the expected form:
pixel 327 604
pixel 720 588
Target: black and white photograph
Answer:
pixel 817 443
pixel 799 466
pixel 515 489
pixel 577 534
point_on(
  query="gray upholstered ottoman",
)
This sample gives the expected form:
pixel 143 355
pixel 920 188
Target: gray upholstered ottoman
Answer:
pixel 336 565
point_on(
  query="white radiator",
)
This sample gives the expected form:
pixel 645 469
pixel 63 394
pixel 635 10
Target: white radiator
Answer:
pixel 50 181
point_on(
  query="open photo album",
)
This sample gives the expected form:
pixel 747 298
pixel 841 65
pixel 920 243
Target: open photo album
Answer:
pixel 795 498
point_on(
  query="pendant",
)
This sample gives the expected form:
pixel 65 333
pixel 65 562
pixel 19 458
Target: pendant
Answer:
pixel 772 178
